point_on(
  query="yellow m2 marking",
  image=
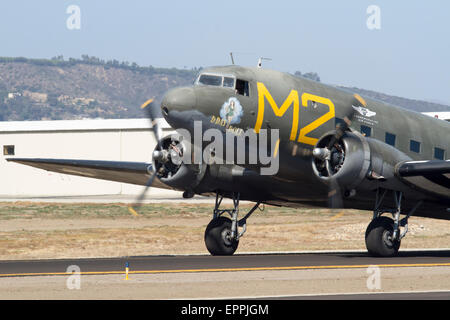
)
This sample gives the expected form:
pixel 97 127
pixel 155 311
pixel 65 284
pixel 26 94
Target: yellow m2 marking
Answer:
pixel 318 122
pixel 293 99
pixel 279 112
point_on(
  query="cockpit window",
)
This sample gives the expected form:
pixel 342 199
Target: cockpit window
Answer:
pixel 228 82
pixel 242 87
pixel 210 80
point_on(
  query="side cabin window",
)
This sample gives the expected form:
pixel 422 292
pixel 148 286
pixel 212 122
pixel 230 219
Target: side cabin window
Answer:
pixel 414 146
pixel 439 153
pixel 390 138
pixel 366 131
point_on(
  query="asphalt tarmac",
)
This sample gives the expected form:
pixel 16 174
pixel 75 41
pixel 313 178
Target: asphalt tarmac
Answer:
pixel 271 276
pixel 425 295
pixel 238 262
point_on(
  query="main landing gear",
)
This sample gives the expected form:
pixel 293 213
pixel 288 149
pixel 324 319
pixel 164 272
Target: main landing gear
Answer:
pixel 222 233
pixel 383 235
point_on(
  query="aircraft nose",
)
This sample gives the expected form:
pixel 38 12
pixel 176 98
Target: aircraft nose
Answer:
pixel 178 99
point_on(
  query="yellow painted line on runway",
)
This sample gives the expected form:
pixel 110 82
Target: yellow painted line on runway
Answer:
pixel 406 265
pixel 35 274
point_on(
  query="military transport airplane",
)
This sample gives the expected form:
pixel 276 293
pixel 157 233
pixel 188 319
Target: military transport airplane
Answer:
pixel 333 148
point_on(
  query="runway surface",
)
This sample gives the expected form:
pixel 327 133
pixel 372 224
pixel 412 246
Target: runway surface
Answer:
pixel 270 276
pixel 427 295
pixel 238 262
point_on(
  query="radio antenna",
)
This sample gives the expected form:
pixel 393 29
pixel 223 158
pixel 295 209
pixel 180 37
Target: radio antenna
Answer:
pixel 232 54
pixel 260 61
pixel 232 59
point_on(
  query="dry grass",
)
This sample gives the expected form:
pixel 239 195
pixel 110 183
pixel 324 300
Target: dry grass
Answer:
pixel 49 230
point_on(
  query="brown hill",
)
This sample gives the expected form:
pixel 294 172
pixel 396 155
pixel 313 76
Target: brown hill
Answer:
pixel 52 90
pixel 56 89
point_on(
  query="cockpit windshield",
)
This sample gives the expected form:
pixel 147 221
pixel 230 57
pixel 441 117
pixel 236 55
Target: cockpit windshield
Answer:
pixel 210 80
pixel 216 80
pixel 226 81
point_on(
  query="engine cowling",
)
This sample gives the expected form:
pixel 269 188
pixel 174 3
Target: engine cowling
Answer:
pixel 353 160
pixel 171 169
pixel 345 160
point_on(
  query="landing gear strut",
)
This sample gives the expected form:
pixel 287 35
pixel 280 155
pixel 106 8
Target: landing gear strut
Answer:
pixel 383 235
pixel 222 234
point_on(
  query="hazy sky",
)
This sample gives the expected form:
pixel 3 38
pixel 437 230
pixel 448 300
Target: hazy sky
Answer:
pixel 408 56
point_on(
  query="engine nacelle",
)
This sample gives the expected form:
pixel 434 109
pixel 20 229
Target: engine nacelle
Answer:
pixel 356 161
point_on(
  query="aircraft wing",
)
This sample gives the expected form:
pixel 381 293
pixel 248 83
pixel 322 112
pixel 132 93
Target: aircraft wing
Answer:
pixel 120 171
pixel 429 176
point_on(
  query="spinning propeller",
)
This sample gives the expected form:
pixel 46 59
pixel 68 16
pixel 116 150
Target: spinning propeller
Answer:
pixel 150 108
pixel 330 154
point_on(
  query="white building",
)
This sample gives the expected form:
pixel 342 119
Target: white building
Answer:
pixel 117 139
pixel 440 115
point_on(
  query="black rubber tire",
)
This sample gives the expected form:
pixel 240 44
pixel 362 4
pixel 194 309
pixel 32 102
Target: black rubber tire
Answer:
pixel 215 237
pixel 377 238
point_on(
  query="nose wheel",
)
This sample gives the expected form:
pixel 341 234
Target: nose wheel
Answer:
pixel 379 238
pixel 383 235
pixel 222 234
pixel 218 238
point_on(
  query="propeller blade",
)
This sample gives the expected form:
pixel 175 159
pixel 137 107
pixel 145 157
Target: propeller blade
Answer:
pixel 341 127
pixel 335 199
pixel 150 109
pixel 139 200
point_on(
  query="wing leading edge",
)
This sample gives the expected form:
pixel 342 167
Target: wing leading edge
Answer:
pixel 119 171
pixel 430 176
